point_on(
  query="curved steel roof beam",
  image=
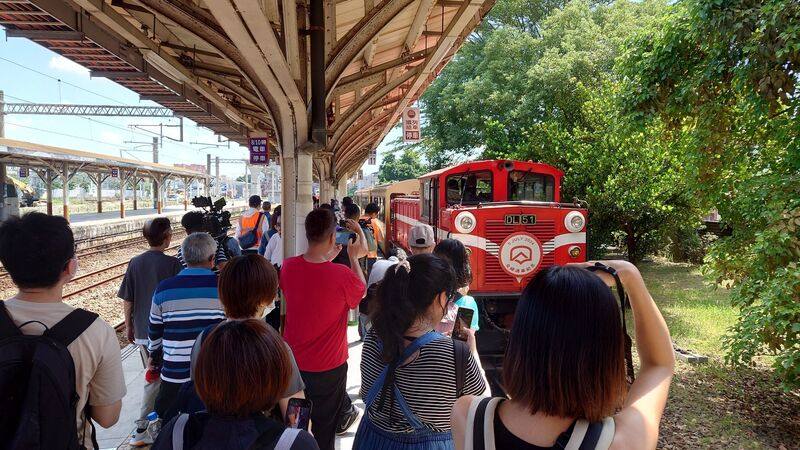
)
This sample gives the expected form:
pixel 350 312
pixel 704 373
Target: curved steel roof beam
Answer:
pixel 291 119
pixel 196 19
pixel 353 43
pixel 377 94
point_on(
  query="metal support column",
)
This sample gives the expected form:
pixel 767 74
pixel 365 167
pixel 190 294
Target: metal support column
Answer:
pixel 208 175
pixel 99 182
pixel 65 190
pixel 3 210
pixel 216 176
pixel 185 194
pixel 135 193
pixel 48 185
pixel 156 187
pixel 123 180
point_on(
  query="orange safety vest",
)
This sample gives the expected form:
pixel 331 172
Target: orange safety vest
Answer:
pixel 248 223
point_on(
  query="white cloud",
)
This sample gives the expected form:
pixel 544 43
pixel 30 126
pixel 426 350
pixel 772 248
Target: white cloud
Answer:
pixel 110 137
pixel 63 64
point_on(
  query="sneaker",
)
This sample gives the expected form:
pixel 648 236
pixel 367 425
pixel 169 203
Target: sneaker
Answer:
pixel 141 438
pixel 347 421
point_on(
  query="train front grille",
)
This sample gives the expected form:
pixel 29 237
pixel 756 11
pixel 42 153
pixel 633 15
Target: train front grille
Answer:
pixel 496 231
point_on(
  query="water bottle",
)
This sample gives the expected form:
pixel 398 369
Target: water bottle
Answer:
pixel 352 317
pixel 154 424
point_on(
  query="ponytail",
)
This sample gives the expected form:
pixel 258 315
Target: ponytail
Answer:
pixel 405 294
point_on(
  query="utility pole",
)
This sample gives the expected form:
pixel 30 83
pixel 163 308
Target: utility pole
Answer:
pixel 3 209
pixel 208 174
pixel 216 175
pixel 156 187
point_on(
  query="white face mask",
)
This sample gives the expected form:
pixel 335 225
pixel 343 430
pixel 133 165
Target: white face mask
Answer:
pixel 268 309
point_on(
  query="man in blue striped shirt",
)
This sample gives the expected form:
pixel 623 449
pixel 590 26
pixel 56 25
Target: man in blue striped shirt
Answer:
pixel 183 306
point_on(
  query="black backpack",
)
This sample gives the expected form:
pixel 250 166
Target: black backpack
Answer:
pixel 37 384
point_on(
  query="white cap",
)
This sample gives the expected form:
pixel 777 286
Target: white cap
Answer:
pixel 421 235
pixel 379 269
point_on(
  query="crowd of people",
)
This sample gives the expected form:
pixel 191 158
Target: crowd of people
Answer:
pixel 232 334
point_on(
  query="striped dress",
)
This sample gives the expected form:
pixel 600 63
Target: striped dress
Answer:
pixel 183 306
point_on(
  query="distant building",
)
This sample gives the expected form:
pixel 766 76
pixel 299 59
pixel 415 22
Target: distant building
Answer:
pixel 366 181
pixel 193 167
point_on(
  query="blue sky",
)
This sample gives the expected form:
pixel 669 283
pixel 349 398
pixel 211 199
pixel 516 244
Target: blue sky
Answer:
pixel 31 73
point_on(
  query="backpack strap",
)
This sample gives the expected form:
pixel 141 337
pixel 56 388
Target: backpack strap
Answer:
pixel 461 353
pixel 287 439
pixel 177 431
pixel 7 327
pixel 71 326
pixel 594 435
pixel 480 424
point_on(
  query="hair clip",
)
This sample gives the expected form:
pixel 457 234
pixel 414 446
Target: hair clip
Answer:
pixel 405 264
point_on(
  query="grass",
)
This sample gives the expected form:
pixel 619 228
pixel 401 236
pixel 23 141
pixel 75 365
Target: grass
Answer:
pixel 713 405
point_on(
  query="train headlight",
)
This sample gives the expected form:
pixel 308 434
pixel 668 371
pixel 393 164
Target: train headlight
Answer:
pixel 574 251
pixel 465 222
pixel 574 221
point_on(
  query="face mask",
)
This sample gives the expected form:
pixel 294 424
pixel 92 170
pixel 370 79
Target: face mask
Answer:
pixel 268 309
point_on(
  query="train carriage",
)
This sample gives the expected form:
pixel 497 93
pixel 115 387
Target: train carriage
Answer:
pixel 382 195
pixel 510 216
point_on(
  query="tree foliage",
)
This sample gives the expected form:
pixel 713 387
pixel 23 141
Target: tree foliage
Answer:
pixel 550 93
pixel 722 75
pixel 657 112
pixel 394 168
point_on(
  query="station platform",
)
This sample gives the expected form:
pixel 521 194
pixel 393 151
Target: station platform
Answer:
pixel 117 436
pixel 96 225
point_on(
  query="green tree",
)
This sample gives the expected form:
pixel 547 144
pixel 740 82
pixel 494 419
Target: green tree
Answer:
pixel 544 87
pixel 722 78
pixel 394 168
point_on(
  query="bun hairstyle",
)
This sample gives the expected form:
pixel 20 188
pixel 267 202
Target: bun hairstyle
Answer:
pixel 407 291
pixel 455 252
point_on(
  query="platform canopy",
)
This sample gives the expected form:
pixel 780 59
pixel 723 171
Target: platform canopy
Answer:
pixel 38 156
pixel 325 80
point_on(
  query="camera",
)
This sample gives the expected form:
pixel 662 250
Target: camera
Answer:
pixel 363 223
pixel 216 221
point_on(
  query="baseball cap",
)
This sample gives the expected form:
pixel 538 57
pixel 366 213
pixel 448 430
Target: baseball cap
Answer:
pixel 421 235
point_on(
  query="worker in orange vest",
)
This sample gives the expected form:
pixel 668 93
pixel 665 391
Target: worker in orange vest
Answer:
pixel 251 226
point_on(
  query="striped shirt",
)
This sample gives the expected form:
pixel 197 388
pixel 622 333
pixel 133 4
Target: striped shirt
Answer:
pixel 428 384
pixel 183 306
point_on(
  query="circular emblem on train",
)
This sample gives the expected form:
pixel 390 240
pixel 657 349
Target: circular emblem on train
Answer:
pixel 520 254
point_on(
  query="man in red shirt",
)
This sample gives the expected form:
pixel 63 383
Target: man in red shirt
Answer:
pixel 318 296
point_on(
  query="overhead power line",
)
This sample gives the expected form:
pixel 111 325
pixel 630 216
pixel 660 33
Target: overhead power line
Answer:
pixel 54 109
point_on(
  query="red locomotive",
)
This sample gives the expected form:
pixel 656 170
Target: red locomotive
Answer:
pixel 510 216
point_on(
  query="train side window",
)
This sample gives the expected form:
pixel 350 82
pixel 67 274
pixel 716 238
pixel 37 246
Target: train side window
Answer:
pixel 469 188
pixel 425 197
pixel 531 186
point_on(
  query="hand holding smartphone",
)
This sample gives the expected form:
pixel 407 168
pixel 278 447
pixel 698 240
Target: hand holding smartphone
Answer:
pixel 463 321
pixel 298 413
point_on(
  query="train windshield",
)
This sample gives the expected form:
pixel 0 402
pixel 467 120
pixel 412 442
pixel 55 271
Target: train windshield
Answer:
pixel 469 188
pixel 523 185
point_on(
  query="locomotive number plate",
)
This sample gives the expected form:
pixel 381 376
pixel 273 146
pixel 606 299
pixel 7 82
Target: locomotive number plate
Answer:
pixel 520 219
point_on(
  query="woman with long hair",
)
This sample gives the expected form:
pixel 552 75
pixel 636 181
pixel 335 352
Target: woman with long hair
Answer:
pixel 411 375
pixel 565 368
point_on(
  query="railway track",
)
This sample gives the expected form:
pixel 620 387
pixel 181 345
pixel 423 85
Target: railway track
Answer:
pixel 103 247
pixel 104 281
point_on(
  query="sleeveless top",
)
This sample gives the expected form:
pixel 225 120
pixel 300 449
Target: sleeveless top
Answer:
pixel 485 431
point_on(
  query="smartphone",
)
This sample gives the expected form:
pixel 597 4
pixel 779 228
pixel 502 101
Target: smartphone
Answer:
pixel 298 413
pixel 463 320
pixel 344 237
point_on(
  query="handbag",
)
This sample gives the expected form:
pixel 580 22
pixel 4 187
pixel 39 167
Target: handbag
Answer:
pixel 371 437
